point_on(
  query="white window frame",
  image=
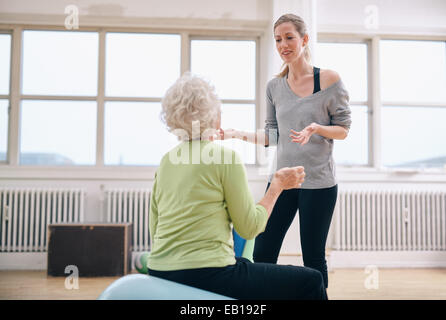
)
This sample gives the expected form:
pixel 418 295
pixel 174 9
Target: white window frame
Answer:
pixel 408 104
pixel 368 103
pixel 8 96
pixel 374 172
pixel 100 170
pixel 256 100
pixel 375 103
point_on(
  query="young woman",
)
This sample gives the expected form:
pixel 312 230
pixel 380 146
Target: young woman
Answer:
pixel 306 109
pixel 196 201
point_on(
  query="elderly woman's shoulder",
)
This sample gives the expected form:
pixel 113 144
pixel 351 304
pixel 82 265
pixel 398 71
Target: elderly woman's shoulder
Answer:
pixel 227 152
pixel 228 156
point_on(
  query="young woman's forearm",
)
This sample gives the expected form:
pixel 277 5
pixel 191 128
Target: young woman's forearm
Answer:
pixel 258 137
pixel 331 132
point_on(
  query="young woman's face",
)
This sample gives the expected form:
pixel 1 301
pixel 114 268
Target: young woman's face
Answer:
pixel 289 43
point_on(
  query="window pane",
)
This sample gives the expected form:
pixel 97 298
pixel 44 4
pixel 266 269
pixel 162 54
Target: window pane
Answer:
pixel 350 61
pixel 413 71
pixel 3 129
pixel 5 62
pixel 229 65
pixel 413 137
pixel 241 117
pixel 60 63
pixel 354 149
pixel 141 65
pixel 135 135
pixel 58 132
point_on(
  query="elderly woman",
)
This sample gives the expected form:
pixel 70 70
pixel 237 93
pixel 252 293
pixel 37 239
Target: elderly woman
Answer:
pixel 200 192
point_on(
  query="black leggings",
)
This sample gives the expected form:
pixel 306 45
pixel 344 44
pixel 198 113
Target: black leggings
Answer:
pixel 253 281
pixel 316 208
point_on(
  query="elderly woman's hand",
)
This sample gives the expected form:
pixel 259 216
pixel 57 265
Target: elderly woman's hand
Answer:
pixel 289 178
pixel 285 178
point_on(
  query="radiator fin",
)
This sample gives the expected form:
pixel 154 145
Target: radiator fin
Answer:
pixel 377 220
pixel 131 205
pixel 25 214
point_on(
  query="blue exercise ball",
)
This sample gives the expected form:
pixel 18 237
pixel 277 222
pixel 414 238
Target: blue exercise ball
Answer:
pixel 146 287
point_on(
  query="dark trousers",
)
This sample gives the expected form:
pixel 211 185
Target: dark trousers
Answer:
pixel 253 281
pixel 316 208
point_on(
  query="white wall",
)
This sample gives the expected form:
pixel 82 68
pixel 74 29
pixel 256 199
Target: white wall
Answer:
pixel 395 16
pixel 344 16
pixel 228 9
pixel 414 15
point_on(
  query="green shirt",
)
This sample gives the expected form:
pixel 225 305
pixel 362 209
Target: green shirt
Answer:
pixel 200 191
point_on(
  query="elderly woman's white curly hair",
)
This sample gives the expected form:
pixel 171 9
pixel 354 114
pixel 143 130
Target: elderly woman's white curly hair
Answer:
pixel 188 100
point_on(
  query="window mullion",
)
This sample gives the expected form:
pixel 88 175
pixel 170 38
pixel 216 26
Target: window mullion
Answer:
pixel 375 104
pixel 185 52
pixel 100 103
pixel 370 113
pixel 14 102
pixel 258 124
pixel 414 104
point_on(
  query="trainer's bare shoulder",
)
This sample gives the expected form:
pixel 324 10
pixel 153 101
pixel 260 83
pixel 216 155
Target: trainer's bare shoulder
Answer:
pixel 328 78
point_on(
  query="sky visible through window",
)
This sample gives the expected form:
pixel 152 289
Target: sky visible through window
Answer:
pixel 59 63
pixel 350 61
pixel 230 67
pixel 5 62
pixel 413 71
pixel 3 128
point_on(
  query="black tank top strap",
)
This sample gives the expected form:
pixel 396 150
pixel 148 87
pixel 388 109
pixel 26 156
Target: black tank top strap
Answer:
pixel 317 82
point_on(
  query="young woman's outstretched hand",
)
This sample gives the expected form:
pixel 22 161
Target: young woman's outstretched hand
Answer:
pixel 329 132
pixel 303 136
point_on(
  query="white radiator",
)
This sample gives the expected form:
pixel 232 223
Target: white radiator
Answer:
pixel 26 213
pixel 378 220
pixel 131 205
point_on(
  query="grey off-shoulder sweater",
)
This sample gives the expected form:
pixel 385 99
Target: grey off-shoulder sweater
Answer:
pixel 286 111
